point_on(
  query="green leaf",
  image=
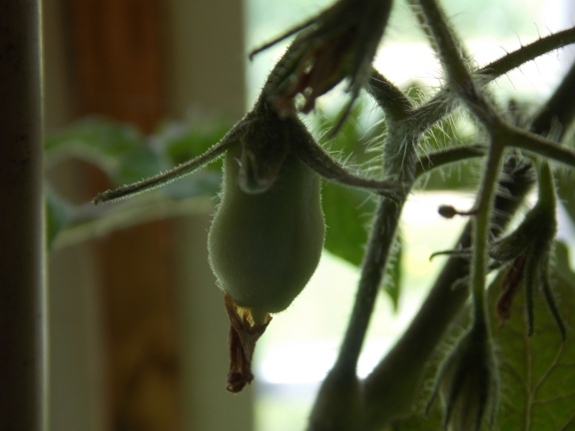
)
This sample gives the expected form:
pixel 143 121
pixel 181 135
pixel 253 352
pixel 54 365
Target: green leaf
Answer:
pixel 58 214
pixel 127 156
pixel 346 215
pixel 537 373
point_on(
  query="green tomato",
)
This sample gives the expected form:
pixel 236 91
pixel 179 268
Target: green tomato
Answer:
pixel 264 247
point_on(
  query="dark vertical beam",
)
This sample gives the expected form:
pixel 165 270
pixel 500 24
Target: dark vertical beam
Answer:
pixel 22 350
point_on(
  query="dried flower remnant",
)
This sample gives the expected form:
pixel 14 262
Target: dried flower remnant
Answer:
pixel 529 249
pixel 510 286
pixel 244 332
pixel 339 43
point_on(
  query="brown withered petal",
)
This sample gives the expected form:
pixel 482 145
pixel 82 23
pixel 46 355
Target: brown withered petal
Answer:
pixel 510 285
pixel 338 43
pixel 318 71
pixel 244 333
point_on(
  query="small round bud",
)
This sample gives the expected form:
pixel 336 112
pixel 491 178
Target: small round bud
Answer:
pixel 447 211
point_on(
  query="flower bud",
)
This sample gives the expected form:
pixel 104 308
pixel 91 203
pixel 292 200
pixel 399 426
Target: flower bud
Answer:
pixel 468 383
pixel 338 43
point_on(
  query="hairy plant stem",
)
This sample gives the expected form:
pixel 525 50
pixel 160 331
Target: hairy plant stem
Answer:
pixel 447 46
pixel 529 52
pixel 461 81
pixel 440 158
pixel 399 166
pixel 389 391
pixel 481 227
pixel 391 388
pixel 443 102
pixel 544 147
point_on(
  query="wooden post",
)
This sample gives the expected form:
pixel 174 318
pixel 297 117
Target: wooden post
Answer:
pixel 22 301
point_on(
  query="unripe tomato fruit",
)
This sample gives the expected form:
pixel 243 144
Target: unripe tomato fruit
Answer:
pixel 264 247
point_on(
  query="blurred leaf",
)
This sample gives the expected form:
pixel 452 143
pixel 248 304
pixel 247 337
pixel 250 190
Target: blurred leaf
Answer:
pixel 58 214
pixel 88 221
pixel 135 165
pixel 204 182
pixel 100 139
pixel 182 142
pixel 562 261
pixel 346 215
pixel 127 156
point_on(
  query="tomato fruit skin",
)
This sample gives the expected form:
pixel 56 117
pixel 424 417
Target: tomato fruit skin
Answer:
pixel 264 247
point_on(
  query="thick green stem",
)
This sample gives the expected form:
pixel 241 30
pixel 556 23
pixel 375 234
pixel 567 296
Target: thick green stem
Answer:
pixel 449 49
pixel 380 243
pixel 482 225
pixel 399 166
pixel 22 296
pixel 391 99
pixel 544 147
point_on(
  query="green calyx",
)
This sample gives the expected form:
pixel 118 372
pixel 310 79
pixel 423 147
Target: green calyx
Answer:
pixel 468 382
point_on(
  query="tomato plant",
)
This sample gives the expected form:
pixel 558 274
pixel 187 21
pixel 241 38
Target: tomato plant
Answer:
pixel 505 369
